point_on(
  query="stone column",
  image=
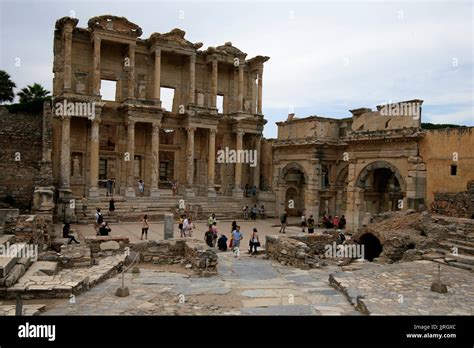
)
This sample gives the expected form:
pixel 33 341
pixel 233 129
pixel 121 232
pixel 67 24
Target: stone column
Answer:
pixel 66 152
pixel 190 162
pixel 238 192
pixel 253 84
pixel 192 78
pixel 157 76
pixel 260 91
pixel 67 57
pixel 214 84
pixel 211 164
pixel 94 159
pixel 241 87
pixel 96 66
pixel 131 72
pixel 155 160
pixel 130 191
pixel 256 169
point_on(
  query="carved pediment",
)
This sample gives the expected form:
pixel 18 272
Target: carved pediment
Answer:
pixel 176 35
pixel 229 49
pixel 115 24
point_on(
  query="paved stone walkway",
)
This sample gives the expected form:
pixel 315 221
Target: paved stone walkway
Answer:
pixel 67 280
pixel 28 310
pixel 244 286
pixel 404 289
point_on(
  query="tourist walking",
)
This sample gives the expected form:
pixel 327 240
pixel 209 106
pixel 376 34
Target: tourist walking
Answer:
pixel 68 234
pixel 232 229
pixel 141 187
pixel 191 227
pixel 262 212
pixel 174 188
pixel 246 190
pixel 236 238
pixel 254 212
pixel 254 190
pixel 110 187
pixel 246 212
pixel 342 222
pixel 180 225
pixel 99 219
pixel 311 224
pixel 283 221
pixel 208 237
pixel 303 222
pixel 335 222
pixel 185 226
pixel 214 233
pixel 145 227
pixel 111 206
pixel 254 242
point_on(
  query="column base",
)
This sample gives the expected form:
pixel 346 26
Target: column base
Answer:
pixel 189 192
pixel 130 192
pixel 65 211
pixel 211 192
pixel 238 193
pixel 94 192
pixel 155 193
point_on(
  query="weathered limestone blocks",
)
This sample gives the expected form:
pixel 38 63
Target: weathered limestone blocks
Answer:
pixel 31 229
pixel 107 245
pixel 202 259
pixel 5 213
pixel 303 251
pixel 193 252
pixel 76 255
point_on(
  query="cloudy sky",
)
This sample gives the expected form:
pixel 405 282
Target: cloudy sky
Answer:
pixel 326 57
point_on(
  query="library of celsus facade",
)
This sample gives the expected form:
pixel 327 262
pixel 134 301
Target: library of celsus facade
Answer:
pixel 216 103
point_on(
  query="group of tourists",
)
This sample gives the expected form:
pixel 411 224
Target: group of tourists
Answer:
pixel 223 243
pixel 186 226
pixel 253 212
pixel 336 222
pixel 309 223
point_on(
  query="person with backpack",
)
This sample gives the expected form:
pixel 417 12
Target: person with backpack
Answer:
pixel 99 219
pixel 222 243
pixel 283 220
pixel 145 227
pixel 104 229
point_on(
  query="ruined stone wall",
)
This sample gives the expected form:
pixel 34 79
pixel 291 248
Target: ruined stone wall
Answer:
pixel 20 134
pixel 437 150
pixel 312 126
pixel 459 204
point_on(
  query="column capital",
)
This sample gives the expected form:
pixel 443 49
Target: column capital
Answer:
pixel 95 120
pixel 190 128
pixel 192 58
pixel 130 123
pixel 240 133
pixel 213 131
pixel 156 126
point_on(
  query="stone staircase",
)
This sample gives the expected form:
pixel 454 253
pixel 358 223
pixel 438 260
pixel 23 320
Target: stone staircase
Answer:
pixel 224 207
pixel 458 250
pixel 15 260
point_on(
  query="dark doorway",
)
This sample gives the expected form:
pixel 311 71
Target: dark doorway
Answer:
pixel 372 246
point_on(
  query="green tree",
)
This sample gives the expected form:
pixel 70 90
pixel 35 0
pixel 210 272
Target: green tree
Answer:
pixel 32 92
pixel 6 87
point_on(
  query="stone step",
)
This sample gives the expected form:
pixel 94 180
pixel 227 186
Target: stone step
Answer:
pixel 461 265
pixel 7 238
pixel 462 236
pixel 460 242
pixel 469 260
pixel 6 265
pixel 461 248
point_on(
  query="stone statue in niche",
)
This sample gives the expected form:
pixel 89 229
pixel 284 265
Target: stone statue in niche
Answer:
pixel 76 166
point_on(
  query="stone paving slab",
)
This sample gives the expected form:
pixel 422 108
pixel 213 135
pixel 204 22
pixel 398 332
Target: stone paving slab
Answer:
pixel 28 310
pixel 404 289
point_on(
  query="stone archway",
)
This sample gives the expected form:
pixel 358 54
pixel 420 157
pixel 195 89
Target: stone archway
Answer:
pixel 372 246
pixel 292 183
pixel 378 188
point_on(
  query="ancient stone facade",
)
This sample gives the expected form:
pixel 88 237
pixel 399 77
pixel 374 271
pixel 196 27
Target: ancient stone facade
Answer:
pixel 373 162
pixel 133 137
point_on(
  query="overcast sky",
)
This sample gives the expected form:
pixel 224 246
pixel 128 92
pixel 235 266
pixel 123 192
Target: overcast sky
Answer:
pixel 326 57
